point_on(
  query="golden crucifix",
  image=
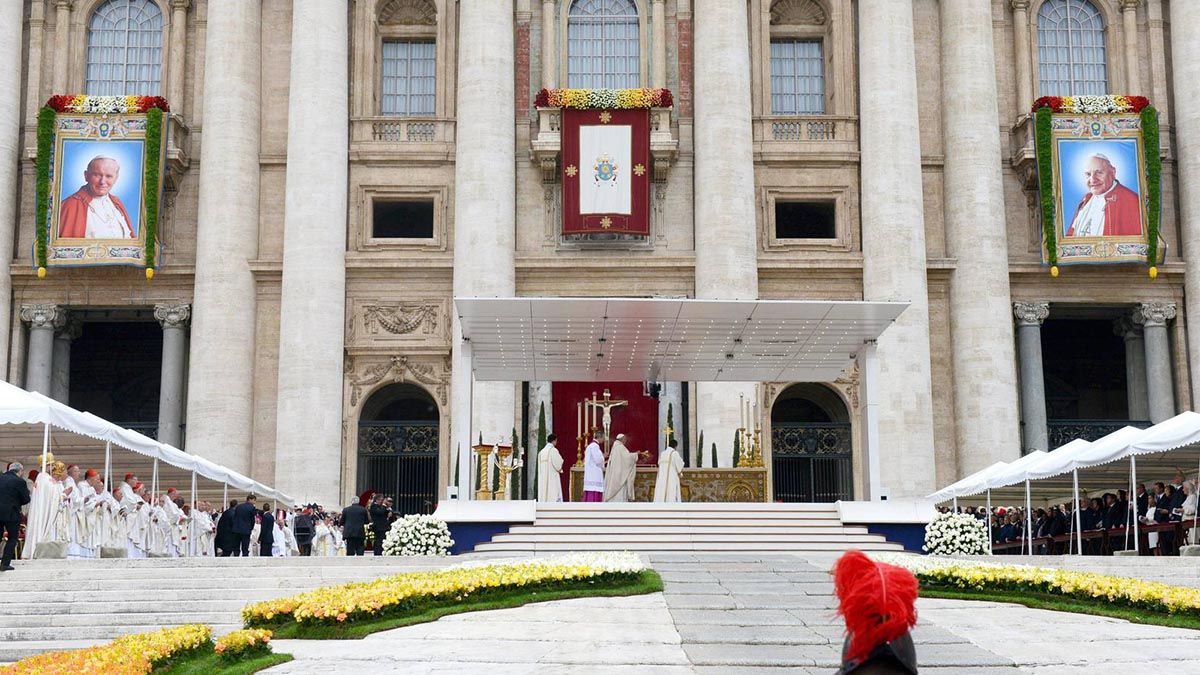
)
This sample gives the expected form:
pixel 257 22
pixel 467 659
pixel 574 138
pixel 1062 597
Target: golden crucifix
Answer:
pixel 605 405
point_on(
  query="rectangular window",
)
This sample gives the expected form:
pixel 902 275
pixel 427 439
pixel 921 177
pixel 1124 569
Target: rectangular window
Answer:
pixel 797 77
pixel 805 220
pixel 407 79
pixel 408 219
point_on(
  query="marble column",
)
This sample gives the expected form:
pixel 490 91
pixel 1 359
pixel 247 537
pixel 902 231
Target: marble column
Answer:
pixel 221 373
pixel 174 322
pixel 484 205
pixel 1159 380
pixel 1022 56
pixel 658 44
pixel 1156 38
pixel 308 432
pixel 725 214
pixel 670 398
pixel 11 28
pixel 985 411
pixel 1185 65
pixel 62 45
pixel 1034 434
pixel 60 365
pixel 43 321
pixel 542 393
pixel 1130 329
pixel 176 53
pixel 549 44
pixel 1133 80
pixel 893 241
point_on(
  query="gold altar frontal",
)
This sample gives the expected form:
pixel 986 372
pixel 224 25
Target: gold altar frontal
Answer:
pixel 734 484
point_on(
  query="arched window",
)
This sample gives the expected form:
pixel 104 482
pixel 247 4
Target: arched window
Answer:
pixel 603 44
pixel 124 48
pixel 1071 51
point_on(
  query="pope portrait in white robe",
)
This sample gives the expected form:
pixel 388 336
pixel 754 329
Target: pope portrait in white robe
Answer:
pixel 621 472
pixel 670 467
pixel 550 464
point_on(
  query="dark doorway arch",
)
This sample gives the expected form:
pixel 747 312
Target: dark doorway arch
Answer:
pixel 811 445
pixel 398 432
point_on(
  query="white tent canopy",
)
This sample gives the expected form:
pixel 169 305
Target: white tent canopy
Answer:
pixel 31 413
pixel 971 485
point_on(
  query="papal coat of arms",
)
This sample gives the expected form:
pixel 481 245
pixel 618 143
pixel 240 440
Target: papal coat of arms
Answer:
pixel 605 170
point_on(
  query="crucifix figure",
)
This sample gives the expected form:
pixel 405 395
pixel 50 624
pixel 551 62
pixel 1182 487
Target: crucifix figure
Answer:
pixel 606 404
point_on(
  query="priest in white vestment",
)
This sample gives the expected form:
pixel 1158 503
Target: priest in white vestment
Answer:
pixel 550 465
pixel 670 468
pixel 593 470
pixel 76 514
pixel 620 473
pixel 46 521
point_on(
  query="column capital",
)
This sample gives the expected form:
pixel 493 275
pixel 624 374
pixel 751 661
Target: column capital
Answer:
pixel 1021 5
pixel 1154 313
pixel 44 316
pixel 72 327
pixel 1031 313
pixel 180 4
pixel 173 316
pixel 63 4
pixel 1130 5
pixel 1128 327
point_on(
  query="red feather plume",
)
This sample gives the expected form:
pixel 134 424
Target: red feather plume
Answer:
pixel 876 600
pixel 365 497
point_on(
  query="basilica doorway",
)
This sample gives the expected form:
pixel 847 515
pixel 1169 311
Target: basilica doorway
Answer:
pixel 811 445
pixel 398 447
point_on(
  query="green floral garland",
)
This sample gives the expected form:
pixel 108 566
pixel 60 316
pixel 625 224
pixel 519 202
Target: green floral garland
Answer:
pixel 41 211
pixel 1042 123
pixel 1150 145
pixel 154 126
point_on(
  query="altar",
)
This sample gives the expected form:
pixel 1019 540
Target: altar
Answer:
pixel 731 484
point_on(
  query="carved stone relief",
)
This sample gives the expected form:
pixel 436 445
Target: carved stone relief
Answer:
pixel 364 373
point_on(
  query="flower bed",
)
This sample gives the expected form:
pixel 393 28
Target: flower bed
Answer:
pixel 1088 586
pixel 418 535
pixel 606 99
pixel 133 654
pixel 414 592
pixel 955 534
pixel 246 643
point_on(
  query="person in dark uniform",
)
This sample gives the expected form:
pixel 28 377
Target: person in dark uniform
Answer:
pixel 226 540
pixel 354 528
pixel 304 527
pixel 243 525
pixel 14 493
pixel 381 520
pixel 266 532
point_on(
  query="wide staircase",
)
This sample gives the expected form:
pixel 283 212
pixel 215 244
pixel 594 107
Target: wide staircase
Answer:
pixel 692 527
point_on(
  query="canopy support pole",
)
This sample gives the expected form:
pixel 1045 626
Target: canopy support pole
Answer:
pixel 45 444
pixel 1196 515
pixel 192 519
pixel 225 497
pixel 1137 544
pixel 154 480
pixel 1078 522
pixel 1028 517
pixel 988 521
pixel 956 503
pixel 108 466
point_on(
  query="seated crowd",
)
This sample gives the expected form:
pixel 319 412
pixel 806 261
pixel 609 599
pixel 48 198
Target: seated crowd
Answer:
pixel 1163 510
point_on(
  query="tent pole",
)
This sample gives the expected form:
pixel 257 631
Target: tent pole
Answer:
pixel 225 497
pixel 956 503
pixel 988 521
pixel 107 466
pixel 1137 544
pixel 192 519
pixel 154 480
pixel 1028 517
pixel 1196 515
pixel 45 445
pixel 1078 522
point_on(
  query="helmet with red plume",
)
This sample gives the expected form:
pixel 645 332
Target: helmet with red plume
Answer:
pixel 877 601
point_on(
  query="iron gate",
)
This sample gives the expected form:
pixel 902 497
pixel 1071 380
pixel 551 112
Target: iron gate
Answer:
pixel 400 459
pixel 811 462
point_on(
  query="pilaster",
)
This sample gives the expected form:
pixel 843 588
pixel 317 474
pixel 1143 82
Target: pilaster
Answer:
pixel 1159 381
pixel 1034 433
pixel 62 45
pixel 1022 56
pixel 1129 27
pixel 174 321
pixel 1185 65
pixel 11 26
pixel 43 321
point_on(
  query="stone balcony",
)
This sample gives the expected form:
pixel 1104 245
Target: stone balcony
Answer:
pixel 178 146
pixel 389 138
pixel 546 143
pixel 781 138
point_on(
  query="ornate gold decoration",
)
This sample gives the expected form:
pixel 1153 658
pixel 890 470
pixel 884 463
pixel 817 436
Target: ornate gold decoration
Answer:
pixel 400 320
pixel 639 170
pixel 571 171
pixel 606 222
pixel 605 117
pixel 733 484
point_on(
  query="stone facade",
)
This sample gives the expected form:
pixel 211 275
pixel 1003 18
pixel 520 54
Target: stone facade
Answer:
pixel 924 150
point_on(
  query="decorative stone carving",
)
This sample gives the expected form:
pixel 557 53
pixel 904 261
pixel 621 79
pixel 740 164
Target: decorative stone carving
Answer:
pixel 848 383
pixel 1020 4
pixel 1127 327
pixel 1154 313
pixel 408 13
pixel 401 369
pixel 44 316
pixel 173 316
pixel 1130 5
pixel 797 13
pixel 1031 313
pixel 400 320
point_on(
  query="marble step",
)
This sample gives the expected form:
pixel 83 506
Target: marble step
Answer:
pixel 744 547
pixel 133 606
pixel 169 616
pixel 661 534
pixel 832 526
pixel 95 633
pixel 691 507
pixel 209 583
pixel 58 597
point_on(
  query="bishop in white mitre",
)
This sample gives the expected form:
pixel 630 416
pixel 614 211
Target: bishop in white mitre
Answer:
pixel 670 467
pixel 621 472
pixel 593 470
pixel 550 464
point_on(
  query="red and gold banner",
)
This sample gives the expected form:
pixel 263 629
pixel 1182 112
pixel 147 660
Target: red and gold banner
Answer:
pixel 606 171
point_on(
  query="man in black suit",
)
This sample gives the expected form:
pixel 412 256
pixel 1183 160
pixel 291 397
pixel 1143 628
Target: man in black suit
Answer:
pixel 354 523
pixel 226 540
pixel 380 522
pixel 243 525
pixel 266 533
pixel 14 493
pixel 304 528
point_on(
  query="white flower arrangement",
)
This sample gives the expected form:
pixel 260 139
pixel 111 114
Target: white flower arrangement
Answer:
pixel 418 535
pixel 956 534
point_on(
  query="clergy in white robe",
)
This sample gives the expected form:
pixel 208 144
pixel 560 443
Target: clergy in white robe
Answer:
pixel 550 465
pixel 620 473
pixel 593 471
pixel 76 514
pixel 670 468
pixel 45 513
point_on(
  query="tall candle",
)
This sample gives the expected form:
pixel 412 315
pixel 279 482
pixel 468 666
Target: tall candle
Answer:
pixel 578 420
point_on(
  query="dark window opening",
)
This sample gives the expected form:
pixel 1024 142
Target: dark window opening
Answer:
pixel 805 220
pixel 402 219
pixel 115 372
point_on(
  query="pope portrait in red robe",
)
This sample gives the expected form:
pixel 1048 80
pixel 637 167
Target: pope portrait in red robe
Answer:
pixel 1108 209
pixel 93 211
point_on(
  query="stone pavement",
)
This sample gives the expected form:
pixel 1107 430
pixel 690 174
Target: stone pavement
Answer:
pixel 744 614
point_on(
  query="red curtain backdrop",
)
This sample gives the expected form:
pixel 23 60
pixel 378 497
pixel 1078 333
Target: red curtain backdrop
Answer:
pixel 638 419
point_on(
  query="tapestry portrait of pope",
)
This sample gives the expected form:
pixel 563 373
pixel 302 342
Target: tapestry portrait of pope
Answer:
pixel 108 203
pixel 1100 186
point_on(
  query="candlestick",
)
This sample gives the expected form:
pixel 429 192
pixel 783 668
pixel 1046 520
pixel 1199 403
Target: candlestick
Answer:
pixel 578 419
pixel 742 410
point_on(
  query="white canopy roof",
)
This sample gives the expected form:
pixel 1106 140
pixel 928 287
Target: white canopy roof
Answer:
pixel 32 411
pixel 973 484
pixel 1060 460
pixel 1180 431
pixel 611 339
pixel 1015 471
